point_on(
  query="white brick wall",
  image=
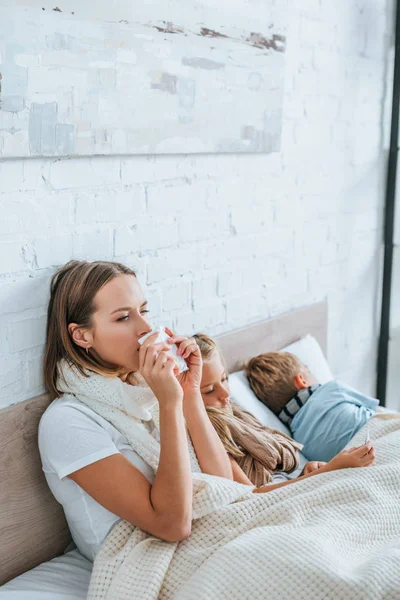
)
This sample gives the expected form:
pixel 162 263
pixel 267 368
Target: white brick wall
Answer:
pixel 220 241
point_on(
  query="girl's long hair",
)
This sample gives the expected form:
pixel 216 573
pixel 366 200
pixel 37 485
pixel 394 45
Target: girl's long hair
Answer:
pixel 259 450
pixel 72 291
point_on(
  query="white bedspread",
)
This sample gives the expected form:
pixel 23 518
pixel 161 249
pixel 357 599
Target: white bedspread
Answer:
pixel 65 577
pixel 335 535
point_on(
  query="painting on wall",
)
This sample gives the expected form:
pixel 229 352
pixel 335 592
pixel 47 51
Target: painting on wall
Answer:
pixel 84 78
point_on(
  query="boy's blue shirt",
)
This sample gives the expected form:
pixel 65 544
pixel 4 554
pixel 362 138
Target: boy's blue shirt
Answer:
pixel 332 415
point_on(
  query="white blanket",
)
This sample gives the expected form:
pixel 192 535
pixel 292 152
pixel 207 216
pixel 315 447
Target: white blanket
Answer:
pixel 334 535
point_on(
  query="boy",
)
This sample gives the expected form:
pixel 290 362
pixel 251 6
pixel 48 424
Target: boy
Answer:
pixel 322 417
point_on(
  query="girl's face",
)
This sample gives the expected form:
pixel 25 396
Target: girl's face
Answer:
pixel 214 385
pixel 120 319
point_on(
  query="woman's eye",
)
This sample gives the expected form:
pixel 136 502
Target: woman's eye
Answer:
pixel 127 316
pixel 210 392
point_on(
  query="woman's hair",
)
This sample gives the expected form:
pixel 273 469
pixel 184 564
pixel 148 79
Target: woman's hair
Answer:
pixel 259 450
pixel 72 291
pixel 271 377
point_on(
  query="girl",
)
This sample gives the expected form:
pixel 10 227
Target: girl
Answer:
pixel 256 452
pixel 94 364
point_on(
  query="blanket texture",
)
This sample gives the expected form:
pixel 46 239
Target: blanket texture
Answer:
pixel 334 535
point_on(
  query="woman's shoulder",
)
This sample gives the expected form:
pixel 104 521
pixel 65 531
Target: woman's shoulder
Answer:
pixel 65 404
pixel 68 428
pixel 67 411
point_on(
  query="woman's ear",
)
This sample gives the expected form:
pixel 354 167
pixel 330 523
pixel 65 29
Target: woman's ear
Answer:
pixel 300 382
pixel 82 337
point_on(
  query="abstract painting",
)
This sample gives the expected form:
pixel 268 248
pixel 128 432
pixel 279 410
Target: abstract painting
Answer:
pixel 99 78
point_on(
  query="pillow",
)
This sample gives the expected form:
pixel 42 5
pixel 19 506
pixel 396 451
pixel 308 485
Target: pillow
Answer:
pixel 242 394
pixel 308 350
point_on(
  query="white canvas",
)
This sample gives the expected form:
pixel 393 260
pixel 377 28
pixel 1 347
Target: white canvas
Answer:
pixel 122 78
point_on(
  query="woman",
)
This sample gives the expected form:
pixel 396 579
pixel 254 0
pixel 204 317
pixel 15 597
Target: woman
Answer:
pixel 97 313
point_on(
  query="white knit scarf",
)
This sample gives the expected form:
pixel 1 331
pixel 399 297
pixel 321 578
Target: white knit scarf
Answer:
pixel 132 409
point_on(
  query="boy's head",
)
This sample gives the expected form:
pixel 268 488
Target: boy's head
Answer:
pixel 275 377
pixel 214 385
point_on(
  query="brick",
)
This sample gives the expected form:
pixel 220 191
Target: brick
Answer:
pixel 227 251
pixel 32 174
pixel 10 370
pixel 93 245
pixel 19 296
pixel 12 258
pixel 82 172
pixel 26 211
pixel 256 218
pixel 317 33
pixel 153 296
pixel 173 263
pixel 150 169
pixel 35 373
pixel 110 205
pixel 168 199
pixel 227 193
pixel 203 320
pixel 208 318
pixel 226 283
pixel 183 323
pixel 320 107
pixel 245 307
pixel 176 296
pixel 311 6
pixel 204 291
pixel 146 234
pixel 11 380
pixel 27 333
pixel 195 226
pixel 11 175
pixel 53 250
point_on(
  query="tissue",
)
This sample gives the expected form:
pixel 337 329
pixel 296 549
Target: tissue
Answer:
pixel 162 337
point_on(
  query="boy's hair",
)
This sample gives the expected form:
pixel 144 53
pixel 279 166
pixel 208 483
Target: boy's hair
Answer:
pixel 271 377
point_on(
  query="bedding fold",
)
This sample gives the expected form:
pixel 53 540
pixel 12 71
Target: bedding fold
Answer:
pixel 336 534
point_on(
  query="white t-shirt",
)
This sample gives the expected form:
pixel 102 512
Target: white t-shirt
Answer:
pixel 72 436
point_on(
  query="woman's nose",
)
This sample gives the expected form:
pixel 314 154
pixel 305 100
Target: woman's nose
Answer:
pixel 143 327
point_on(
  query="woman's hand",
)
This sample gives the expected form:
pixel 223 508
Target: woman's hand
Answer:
pixel 157 366
pixel 359 456
pixel 188 349
pixel 312 466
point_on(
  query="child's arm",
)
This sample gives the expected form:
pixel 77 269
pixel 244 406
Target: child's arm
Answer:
pixel 238 473
pixel 269 487
pixel 359 456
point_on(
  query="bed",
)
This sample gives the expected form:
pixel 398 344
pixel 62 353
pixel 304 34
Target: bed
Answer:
pixel 38 559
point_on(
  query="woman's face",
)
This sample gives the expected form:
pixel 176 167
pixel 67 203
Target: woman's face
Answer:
pixel 214 385
pixel 120 319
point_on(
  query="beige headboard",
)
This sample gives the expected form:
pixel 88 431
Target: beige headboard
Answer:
pixel 274 334
pixel 32 524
